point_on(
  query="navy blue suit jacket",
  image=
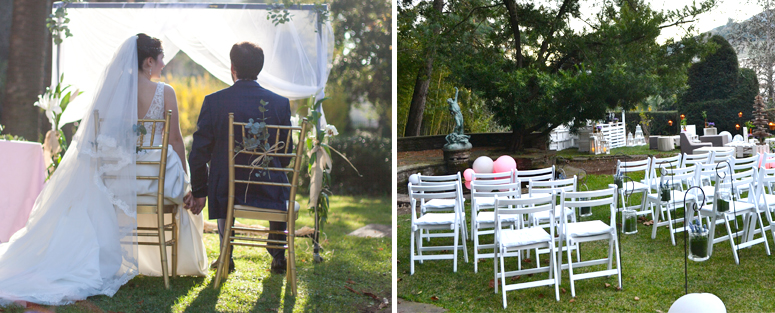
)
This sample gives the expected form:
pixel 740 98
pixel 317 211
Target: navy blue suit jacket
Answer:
pixel 211 144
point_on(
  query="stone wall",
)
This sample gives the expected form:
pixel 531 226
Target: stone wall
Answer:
pixel 420 143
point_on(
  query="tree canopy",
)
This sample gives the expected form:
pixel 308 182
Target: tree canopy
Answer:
pixel 536 72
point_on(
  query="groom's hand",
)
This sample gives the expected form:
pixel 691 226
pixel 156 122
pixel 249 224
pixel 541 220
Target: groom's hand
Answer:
pixel 188 201
pixel 198 205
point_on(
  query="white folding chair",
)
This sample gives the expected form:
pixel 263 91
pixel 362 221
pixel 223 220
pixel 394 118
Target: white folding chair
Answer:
pixel 672 177
pixel 487 202
pixel 483 194
pixel 630 187
pixel 530 237
pixel 443 205
pixel 537 188
pixel 587 231
pixel 436 221
pixel 747 208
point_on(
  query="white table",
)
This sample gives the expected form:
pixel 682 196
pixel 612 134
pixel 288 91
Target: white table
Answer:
pixel 665 144
pixel 742 148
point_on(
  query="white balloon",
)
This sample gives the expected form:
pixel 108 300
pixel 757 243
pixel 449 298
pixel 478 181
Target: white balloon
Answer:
pixel 726 133
pixel 698 303
pixel 414 179
pixel 482 165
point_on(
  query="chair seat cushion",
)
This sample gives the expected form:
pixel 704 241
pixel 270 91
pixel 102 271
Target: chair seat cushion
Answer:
pixel 489 218
pixel 734 206
pixel 436 204
pixel 588 228
pixel 485 201
pixel 633 186
pixel 436 219
pixel 521 237
pixel 675 196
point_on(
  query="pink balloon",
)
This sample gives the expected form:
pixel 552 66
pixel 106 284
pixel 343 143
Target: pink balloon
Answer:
pixel 468 185
pixel 504 163
pixel 468 174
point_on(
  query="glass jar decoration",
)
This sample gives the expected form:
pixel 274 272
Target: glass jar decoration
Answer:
pixel 630 222
pixel 723 198
pixel 618 180
pixel 698 242
pixel 585 211
pixel 664 192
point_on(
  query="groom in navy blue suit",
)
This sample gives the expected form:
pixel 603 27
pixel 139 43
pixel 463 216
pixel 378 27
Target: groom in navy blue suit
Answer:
pixel 211 144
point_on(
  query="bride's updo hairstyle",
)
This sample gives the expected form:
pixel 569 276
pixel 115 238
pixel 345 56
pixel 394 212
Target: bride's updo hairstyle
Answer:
pixel 247 59
pixel 147 47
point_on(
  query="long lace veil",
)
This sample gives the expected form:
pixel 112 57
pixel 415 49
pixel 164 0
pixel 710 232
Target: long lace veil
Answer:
pixel 79 240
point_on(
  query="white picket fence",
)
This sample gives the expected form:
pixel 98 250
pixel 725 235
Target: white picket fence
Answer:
pixel 615 134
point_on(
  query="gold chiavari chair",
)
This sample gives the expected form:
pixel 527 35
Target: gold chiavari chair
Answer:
pixel 159 205
pixel 250 212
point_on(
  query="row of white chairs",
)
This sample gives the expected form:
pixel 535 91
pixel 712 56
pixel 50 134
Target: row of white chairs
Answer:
pixel 511 227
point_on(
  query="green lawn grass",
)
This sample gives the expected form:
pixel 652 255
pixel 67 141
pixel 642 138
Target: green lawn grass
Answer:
pixel 363 264
pixel 636 150
pixel 653 271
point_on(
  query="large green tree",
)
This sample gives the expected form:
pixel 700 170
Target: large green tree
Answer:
pixel 718 86
pixel 536 72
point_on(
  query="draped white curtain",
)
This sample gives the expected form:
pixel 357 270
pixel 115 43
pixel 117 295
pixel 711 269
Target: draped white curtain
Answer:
pixel 297 54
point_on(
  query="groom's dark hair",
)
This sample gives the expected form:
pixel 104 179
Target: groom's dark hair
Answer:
pixel 247 59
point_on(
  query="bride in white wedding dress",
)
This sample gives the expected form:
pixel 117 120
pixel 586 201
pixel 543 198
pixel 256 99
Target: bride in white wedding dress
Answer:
pixel 79 241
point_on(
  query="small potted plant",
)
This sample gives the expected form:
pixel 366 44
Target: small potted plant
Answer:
pixel 698 242
pixel 705 117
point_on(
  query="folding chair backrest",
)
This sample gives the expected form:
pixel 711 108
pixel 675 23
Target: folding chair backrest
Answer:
pixel 540 174
pixel 721 156
pixel 480 189
pixel 767 158
pixel 439 178
pixel 449 190
pixel 744 163
pixel 691 159
pixel 657 163
pixel 494 176
pixel 573 200
pixel 706 172
pixel 675 176
pixel 525 205
pixel 627 166
pixel 557 186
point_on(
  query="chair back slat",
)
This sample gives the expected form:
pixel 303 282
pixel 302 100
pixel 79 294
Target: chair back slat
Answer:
pixel 524 205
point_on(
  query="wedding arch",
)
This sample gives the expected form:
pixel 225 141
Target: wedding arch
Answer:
pixel 298 53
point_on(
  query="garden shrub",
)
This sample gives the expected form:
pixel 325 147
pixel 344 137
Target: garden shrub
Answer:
pixel 370 154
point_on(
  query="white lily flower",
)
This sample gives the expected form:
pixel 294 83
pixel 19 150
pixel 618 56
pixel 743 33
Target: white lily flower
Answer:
pixel 314 133
pixel 50 104
pixel 295 120
pixel 331 131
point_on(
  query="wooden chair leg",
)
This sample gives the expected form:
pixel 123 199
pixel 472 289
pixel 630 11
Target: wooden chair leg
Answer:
pixel 175 236
pixel 163 249
pixel 223 259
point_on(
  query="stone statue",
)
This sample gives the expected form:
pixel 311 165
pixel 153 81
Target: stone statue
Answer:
pixel 457 140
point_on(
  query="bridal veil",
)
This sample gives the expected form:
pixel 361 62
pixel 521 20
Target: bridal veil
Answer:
pixel 79 241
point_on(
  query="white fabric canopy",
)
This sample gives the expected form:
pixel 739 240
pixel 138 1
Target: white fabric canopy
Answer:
pixel 297 54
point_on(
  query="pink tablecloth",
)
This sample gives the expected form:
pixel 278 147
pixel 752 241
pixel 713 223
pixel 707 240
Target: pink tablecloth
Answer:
pixel 22 175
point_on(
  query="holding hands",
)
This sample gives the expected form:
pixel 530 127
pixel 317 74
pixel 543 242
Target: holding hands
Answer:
pixel 195 205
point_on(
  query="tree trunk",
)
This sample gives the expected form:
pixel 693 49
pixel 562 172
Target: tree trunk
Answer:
pixel 517 139
pixel 25 77
pixel 514 22
pixel 421 85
